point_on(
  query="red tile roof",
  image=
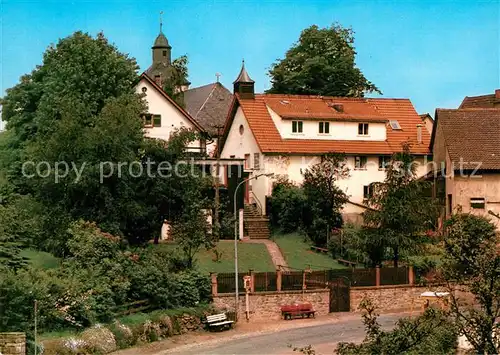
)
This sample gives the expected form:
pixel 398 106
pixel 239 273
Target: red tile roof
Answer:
pixel 471 135
pixel 313 107
pixel 485 101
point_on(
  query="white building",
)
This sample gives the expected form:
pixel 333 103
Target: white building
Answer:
pixel 204 108
pixel 286 134
pixel 164 115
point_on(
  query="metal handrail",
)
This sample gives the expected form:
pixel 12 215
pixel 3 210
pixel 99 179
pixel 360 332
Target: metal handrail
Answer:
pixel 259 205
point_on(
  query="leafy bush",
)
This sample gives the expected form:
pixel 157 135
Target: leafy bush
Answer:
pixel 430 333
pixel 361 244
pixel 286 206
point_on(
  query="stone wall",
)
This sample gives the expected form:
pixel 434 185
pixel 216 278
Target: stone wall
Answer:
pixel 12 343
pixel 392 298
pixel 266 305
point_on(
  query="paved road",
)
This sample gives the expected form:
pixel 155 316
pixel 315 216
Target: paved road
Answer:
pixel 323 338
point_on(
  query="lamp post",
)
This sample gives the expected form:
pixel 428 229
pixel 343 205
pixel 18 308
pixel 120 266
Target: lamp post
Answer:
pixel 236 241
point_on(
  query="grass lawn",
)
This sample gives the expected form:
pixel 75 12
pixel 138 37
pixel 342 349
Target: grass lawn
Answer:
pixel 250 256
pixel 298 254
pixel 40 259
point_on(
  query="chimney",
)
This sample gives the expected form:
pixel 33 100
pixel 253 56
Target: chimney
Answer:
pixel 497 94
pixel 419 133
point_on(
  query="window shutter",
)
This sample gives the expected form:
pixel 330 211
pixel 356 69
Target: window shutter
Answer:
pixel 157 120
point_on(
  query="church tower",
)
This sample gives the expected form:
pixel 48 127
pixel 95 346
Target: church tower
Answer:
pixel 162 51
pixel 161 70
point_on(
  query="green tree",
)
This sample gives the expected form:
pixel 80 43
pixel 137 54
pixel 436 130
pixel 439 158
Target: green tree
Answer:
pixel 430 333
pixel 323 198
pixel 471 263
pixel 178 79
pixel 286 206
pixel 402 208
pixel 322 62
pixel 79 111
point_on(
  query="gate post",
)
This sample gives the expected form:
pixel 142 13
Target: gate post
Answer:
pixel 411 275
pixel 213 277
pixel 377 276
pixel 278 280
pixel 252 280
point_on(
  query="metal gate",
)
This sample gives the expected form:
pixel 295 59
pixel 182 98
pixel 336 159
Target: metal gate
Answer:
pixel 340 295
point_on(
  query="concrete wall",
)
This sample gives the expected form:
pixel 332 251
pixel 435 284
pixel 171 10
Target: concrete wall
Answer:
pixel 486 186
pixel 171 118
pixel 266 305
pixel 12 343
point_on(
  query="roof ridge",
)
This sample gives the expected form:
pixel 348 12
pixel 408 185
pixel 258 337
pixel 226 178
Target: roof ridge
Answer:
pixel 206 100
pixel 470 109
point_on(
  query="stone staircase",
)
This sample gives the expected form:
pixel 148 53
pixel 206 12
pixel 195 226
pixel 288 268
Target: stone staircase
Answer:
pixel 255 225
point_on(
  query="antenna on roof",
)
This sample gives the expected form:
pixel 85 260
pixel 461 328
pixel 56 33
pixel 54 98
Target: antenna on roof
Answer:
pixel 218 75
pixel 161 21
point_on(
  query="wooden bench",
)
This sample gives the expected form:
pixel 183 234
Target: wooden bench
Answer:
pixel 219 321
pixel 318 249
pixel 346 262
pixel 296 310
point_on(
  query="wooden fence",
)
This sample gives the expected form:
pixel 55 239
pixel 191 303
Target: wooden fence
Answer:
pixel 310 280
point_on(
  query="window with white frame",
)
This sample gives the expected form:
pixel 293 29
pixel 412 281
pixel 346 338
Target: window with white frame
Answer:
pixel 367 192
pixel 360 162
pixel 297 126
pixel 324 127
pixel 477 203
pixel 383 161
pixel 363 129
pixel 256 161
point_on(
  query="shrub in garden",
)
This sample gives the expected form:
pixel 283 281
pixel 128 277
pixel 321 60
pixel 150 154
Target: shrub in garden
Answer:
pixel 286 206
pixel 99 339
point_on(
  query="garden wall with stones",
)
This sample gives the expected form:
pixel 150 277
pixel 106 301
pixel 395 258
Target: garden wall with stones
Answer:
pixel 12 343
pixel 266 305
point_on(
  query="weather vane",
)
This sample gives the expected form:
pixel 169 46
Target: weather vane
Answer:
pixel 161 20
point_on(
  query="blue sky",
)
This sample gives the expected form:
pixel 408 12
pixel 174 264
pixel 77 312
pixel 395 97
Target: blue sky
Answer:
pixel 433 52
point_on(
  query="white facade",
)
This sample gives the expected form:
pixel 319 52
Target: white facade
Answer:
pixel 171 118
pixel 338 130
pixel 240 143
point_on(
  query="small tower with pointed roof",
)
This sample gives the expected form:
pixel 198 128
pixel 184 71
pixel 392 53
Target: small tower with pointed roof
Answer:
pixel 161 70
pixel 244 86
pixel 162 51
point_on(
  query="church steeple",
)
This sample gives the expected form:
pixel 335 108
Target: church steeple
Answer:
pixel 244 85
pixel 162 51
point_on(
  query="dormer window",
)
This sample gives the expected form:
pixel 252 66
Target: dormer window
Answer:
pixel 297 126
pixel 363 129
pixel 395 125
pixel 324 128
